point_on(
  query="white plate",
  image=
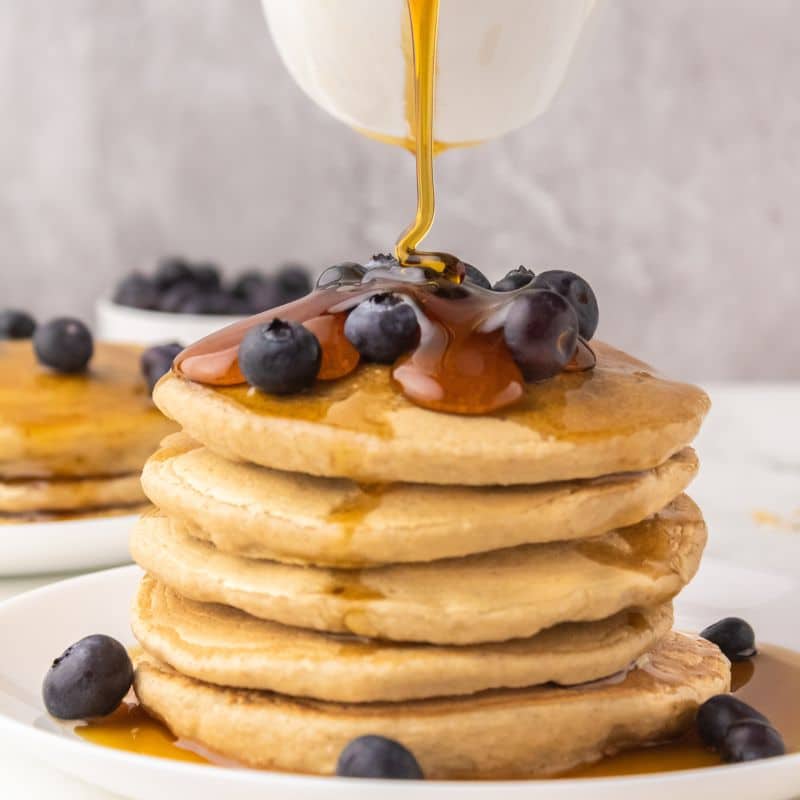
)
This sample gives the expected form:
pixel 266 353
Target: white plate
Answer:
pixel 116 323
pixel 37 548
pixel 37 626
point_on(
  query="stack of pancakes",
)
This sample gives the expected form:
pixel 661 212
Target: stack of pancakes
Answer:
pixel 74 445
pixel 493 592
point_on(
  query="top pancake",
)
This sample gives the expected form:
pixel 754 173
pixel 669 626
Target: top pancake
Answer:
pixel 101 422
pixel 619 417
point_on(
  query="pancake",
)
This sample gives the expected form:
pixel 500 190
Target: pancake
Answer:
pixel 619 417
pixel 69 494
pixel 495 596
pixel 221 645
pixel 264 513
pixel 498 734
pixel 101 422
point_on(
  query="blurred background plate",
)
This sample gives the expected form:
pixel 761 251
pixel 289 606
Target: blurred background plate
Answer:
pixel 37 548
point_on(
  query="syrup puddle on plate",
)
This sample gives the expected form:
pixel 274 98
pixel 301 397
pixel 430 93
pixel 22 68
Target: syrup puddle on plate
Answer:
pixel 770 683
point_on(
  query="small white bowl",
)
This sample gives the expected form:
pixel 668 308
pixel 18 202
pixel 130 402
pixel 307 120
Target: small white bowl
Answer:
pixel 116 323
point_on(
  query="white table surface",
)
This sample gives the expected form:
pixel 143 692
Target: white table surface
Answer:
pixel 749 490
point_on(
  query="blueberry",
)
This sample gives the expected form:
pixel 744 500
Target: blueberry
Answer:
pixel 180 299
pixel 381 260
pixel 16 324
pixel 475 276
pixel 382 328
pixel 136 291
pixel 378 757
pixel 171 271
pixel 206 276
pixel 157 361
pixel 733 636
pixel 264 296
pixel 63 344
pixel 247 282
pixel 578 292
pixel 541 332
pixel 516 279
pixel 751 740
pixel 90 679
pixel 718 713
pixel 348 273
pixel 213 302
pixel 280 357
pixel 293 281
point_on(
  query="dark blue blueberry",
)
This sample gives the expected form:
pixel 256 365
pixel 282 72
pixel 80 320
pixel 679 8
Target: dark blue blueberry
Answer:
pixel 248 281
pixel 293 281
pixel 348 273
pixel 137 291
pixel 213 302
pixel 578 292
pixel 541 332
pixel 382 260
pixel 180 299
pixel 516 279
pixel 90 679
pixel 382 328
pixel 157 361
pixel 378 757
pixel 280 357
pixel 206 276
pixel 751 740
pixel 718 713
pixel 475 276
pixel 733 636
pixel 264 296
pixel 63 344
pixel 171 271
pixel 16 324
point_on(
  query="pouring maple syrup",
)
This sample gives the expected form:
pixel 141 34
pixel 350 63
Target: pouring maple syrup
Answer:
pixel 461 364
pixel 420 109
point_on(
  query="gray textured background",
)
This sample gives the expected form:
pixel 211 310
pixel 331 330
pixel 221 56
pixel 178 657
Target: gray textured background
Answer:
pixel 668 171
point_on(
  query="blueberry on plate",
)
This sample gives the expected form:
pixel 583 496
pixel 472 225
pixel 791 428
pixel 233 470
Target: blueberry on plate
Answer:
pixel 718 713
pixel 751 740
pixel 136 291
pixel 378 757
pixel 157 361
pixel 293 281
pixel 733 636
pixel 16 324
pixel 171 271
pixel 382 328
pixel 206 276
pixel 578 292
pixel 474 276
pixel 246 282
pixel 516 279
pixel 63 344
pixel 280 357
pixel 89 679
pixel 346 273
pixel 264 296
pixel 179 299
pixel 541 331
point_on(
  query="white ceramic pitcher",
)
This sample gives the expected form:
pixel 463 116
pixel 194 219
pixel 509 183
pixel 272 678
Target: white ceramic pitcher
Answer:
pixel 500 62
